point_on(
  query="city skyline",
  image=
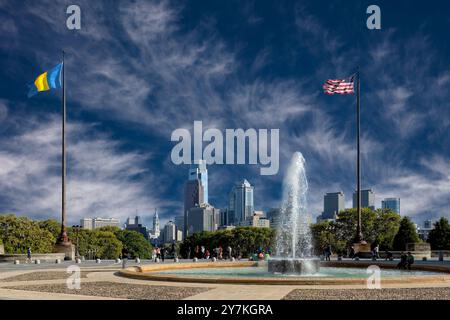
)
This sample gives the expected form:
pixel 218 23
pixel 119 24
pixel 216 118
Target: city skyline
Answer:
pixel 231 66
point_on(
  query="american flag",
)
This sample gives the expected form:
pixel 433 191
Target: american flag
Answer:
pixel 340 86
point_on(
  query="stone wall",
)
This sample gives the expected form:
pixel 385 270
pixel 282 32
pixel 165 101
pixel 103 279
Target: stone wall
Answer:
pixel 44 257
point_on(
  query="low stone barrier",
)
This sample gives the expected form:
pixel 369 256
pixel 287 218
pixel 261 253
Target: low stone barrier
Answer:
pixel 42 257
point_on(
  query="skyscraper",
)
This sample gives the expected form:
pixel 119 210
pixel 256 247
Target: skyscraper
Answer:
pixel 240 205
pixel 391 203
pixel 169 233
pixel 367 199
pixel 193 197
pixel 333 203
pixel 199 172
pixel 203 218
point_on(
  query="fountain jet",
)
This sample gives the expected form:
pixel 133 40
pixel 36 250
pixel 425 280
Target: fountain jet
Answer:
pixel 293 250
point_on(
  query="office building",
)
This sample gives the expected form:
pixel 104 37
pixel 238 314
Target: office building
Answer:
pixel 203 218
pixel 169 233
pixel 273 215
pixel 135 224
pixel 257 220
pixel 89 224
pixel 223 217
pixel 199 172
pixel 240 202
pixel 333 203
pixel 392 204
pixel 179 222
pixel 367 199
pixel 193 197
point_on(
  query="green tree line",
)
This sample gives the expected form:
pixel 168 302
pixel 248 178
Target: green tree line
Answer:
pixel 247 240
pixel 20 233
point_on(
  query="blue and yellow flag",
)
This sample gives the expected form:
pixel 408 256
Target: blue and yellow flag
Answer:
pixel 46 81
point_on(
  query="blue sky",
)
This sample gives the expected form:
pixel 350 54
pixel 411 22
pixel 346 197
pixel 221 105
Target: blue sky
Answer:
pixel 137 70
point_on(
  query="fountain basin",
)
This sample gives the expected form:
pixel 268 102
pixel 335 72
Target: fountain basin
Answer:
pixel 294 266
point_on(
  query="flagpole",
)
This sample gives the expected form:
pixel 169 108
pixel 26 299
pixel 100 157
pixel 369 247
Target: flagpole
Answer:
pixel 63 238
pixel 359 236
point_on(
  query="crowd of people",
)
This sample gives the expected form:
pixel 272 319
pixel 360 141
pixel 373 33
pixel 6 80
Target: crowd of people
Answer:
pixel 202 252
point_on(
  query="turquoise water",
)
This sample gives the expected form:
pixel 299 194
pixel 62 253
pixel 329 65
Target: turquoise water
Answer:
pixel 261 272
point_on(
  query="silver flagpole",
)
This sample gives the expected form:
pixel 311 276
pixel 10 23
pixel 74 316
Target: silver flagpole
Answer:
pixel 63 238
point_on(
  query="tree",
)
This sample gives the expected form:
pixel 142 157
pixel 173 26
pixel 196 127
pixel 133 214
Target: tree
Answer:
pixel 106 244
pixel 249 240
pixel 52 226
pixel 439 237
pixel 20 233
pixel 324 233
pixel 386 227
pixel 407 233
pixel 346 225
pixel 135 243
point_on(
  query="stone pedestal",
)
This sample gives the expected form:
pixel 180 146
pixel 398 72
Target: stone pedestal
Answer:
pixel 362 250
pixel 67 248
pixel 294 266
pixel 419 250
pixel 2 249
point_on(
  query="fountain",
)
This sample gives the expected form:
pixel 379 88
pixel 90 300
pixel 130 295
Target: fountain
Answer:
pixel 293 251
pixel 293 262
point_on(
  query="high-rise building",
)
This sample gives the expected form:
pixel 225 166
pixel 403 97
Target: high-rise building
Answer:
pixel 273 215
pixel 179 222
pixel 169 233
pixel 240 202
pixel 391 203
pixel 199 172
pixel 203 218
pixel 367 199
pixel 223 217
pixel 333 203
pixel 193 197
pixel 135 224
pixel 89 224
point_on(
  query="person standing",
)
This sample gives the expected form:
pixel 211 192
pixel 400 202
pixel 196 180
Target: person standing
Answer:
pixel 163 252
pixel 409 260
pixel 189 252
pixel 29 255
pixel 229 252
pixel 203 252
pixel 376 251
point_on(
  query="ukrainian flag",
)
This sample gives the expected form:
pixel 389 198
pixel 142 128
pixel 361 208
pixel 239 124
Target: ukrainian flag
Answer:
pixel 46 81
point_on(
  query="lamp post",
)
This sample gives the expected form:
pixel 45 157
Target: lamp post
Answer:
pixel 77 230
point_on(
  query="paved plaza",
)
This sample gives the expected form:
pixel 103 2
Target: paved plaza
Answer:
pixel 100 281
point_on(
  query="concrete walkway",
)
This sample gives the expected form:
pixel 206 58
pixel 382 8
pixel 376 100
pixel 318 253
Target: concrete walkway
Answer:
pixel 107 273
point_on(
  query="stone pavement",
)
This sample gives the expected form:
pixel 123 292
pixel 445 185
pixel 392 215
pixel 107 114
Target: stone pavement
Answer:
pixel 106 272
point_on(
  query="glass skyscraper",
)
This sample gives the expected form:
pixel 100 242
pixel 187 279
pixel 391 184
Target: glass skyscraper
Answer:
pixel 199 172
pixel 333 203
pixel 367 199
pixel 391 203
pixel 240 202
